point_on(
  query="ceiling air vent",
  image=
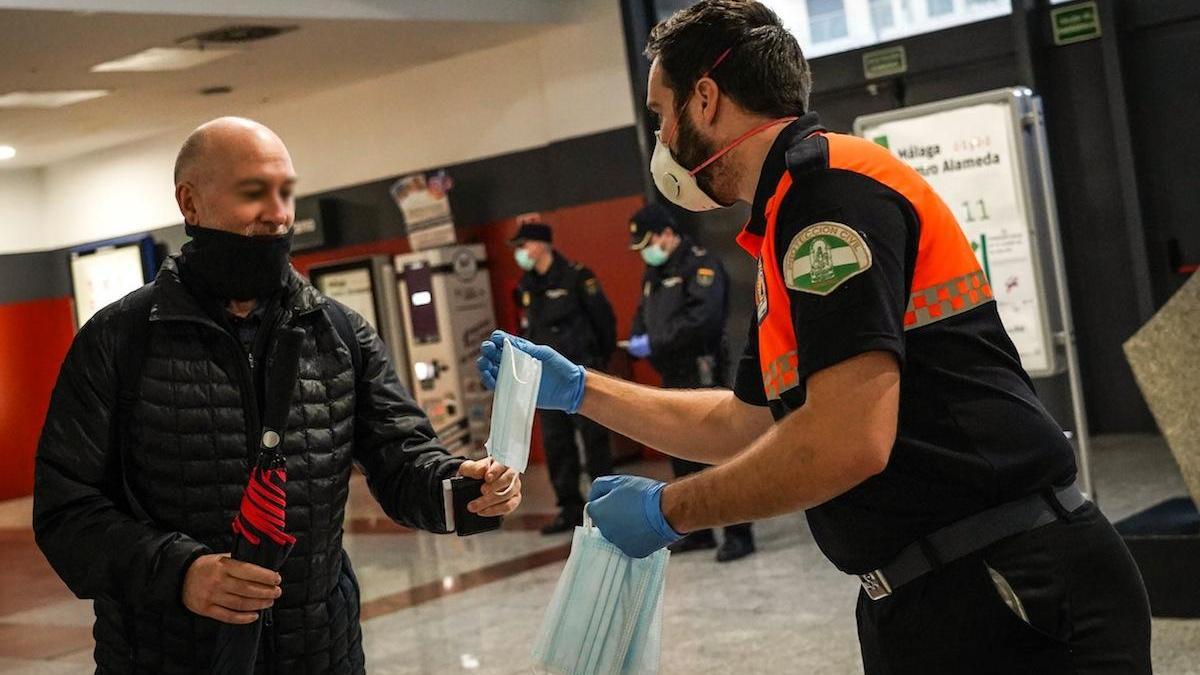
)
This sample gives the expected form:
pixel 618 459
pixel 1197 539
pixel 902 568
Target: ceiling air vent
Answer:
pixel 235 35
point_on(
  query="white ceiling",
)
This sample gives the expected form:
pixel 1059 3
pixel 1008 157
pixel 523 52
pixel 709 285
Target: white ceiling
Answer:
pixel 53 50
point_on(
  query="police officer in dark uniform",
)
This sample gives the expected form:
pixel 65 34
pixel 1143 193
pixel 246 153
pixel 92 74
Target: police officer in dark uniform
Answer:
pixel 680 327
pixel 879 391
pixel 565 307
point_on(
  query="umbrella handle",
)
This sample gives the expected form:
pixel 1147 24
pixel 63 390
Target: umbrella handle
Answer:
pixel 282 371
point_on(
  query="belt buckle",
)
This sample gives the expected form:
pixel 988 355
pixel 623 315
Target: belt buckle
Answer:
pixel 875 584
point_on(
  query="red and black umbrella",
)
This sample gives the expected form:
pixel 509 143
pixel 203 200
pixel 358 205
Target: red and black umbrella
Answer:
pixel 259 536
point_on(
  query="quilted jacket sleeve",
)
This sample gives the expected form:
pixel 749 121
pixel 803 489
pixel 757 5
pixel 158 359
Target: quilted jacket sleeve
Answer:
pixel 80 520
pixel 394 442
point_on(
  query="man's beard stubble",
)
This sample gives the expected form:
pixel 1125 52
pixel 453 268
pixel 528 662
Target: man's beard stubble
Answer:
pixel 693 150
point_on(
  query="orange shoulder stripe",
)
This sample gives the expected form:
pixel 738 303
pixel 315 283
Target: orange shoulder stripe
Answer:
pixel 943 252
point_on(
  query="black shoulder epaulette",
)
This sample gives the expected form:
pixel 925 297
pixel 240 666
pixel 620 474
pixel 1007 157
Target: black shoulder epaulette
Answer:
pixel 807 156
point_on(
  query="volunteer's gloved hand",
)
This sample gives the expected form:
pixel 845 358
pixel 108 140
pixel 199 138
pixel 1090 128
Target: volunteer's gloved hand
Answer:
pixel 562 381
pixel 639 346
pixel 628 511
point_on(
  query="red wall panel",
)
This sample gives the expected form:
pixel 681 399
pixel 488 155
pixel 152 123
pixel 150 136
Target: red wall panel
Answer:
pixel 596 235
pixel 34 338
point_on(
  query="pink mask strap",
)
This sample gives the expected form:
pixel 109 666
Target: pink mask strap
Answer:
pixel 738 141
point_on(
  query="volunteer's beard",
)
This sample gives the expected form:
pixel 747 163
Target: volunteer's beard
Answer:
pixel 716 179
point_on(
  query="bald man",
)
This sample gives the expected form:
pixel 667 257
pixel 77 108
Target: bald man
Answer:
pixel 156 416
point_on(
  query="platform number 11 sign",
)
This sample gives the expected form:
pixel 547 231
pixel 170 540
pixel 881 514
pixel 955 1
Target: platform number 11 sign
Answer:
pixel 966 155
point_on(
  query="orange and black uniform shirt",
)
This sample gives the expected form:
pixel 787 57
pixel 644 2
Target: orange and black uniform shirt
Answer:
pixel 856 253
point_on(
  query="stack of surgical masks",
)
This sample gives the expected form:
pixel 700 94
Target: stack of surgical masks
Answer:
pixel 606 614
pixel 513 405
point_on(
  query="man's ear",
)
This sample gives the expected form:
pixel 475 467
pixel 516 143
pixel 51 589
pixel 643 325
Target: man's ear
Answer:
pixel 185 197
pixel 709 96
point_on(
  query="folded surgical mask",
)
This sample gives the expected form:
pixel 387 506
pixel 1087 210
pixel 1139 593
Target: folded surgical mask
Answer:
pixel 606 613
pixel 513 405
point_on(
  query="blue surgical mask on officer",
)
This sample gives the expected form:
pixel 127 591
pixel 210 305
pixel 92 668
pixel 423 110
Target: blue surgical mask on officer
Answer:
pixel 524 260
pixel 654 255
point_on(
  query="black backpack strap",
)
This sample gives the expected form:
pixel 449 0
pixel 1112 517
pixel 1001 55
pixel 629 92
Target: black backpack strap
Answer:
pixel 341 323
pixel 134 320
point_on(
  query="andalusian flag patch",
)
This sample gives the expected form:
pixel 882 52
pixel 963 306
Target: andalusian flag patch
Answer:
pixel 823 256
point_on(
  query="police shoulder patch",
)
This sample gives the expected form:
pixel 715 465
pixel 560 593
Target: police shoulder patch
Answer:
pixel 705 276
pixel 823 256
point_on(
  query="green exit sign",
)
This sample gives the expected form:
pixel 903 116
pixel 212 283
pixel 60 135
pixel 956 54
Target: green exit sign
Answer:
pixel 885 62
pixel 1075 23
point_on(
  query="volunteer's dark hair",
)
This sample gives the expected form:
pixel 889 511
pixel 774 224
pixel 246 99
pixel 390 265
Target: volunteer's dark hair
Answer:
pixel 765 71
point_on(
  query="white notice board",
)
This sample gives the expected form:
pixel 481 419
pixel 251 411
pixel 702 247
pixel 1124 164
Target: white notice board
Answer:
pixel 979 155
pixel 104 276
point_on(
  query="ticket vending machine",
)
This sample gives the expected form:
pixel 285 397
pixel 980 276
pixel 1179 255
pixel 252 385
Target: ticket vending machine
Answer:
pixel 368 286
pixel 446 304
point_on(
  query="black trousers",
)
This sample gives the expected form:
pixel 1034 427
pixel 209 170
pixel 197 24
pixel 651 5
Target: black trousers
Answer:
pixel 562 454
pixel 1074 579
pixel 691 379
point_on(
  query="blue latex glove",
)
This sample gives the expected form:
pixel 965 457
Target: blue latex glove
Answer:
pixel 628 511
pixel 562 381
pixel 639 346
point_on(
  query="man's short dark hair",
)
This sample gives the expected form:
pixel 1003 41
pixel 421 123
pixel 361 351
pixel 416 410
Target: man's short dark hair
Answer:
pixel 765 71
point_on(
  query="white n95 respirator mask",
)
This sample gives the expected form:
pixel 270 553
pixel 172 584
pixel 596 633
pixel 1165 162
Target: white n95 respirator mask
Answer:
pixel 678 184
pixel 675 182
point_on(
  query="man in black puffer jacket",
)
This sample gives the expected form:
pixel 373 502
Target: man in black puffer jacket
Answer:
pixel 133 499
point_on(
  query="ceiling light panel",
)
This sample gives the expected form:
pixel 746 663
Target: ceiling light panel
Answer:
pixel 162 58
pixel 49 99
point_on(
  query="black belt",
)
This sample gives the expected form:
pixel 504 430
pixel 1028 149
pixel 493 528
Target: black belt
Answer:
pixel 970 535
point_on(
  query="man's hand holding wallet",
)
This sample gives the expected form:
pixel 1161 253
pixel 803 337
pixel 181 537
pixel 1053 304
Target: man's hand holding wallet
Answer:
pixel 483 492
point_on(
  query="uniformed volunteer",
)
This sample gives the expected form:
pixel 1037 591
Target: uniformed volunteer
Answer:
pixel 879 390
pixel 565 308
pixel 680 328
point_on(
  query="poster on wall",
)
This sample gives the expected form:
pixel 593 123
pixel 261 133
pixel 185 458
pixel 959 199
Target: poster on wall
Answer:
pixel 105 273
pixel 971 156
pixel 424 200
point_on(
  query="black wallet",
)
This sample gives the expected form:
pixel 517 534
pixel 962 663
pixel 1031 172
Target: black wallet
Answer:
pixel 457 492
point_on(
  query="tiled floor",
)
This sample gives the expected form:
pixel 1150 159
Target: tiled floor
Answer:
pixel 449 605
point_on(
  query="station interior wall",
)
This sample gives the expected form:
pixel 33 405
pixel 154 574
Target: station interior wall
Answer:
pixel 561 135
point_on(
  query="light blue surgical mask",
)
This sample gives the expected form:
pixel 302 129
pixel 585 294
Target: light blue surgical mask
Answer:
pixel 513 405
pixel 524 260
pixel 606 613
pixel 654 255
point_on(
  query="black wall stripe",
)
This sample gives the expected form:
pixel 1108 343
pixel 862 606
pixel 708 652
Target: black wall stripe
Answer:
pixel 33 276
pixel 572 171
pixel 578 170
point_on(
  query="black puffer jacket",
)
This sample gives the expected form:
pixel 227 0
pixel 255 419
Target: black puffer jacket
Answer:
pixel 187 458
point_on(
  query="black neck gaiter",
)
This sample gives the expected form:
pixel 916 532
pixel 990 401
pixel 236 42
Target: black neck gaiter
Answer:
pixel 236 267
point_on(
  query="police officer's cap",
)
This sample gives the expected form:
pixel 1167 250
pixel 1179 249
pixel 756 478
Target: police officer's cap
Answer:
pixel 651 219
pixel 532 232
